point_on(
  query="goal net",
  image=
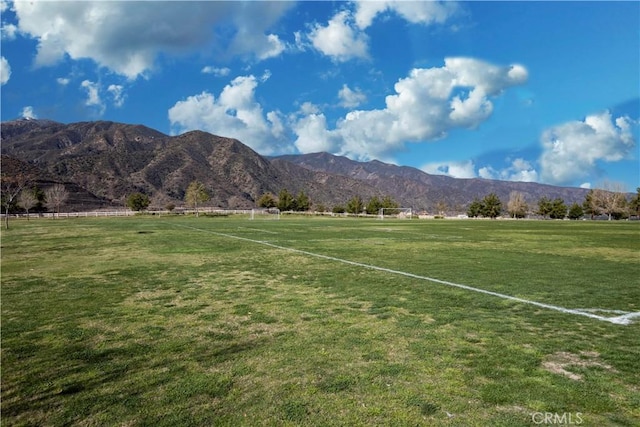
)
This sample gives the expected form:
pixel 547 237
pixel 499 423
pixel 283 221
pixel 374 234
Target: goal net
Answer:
pixel 266 213
pixel 397 213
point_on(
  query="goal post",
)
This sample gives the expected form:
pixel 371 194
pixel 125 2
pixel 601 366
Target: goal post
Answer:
pixel 265 214
pixel 396 213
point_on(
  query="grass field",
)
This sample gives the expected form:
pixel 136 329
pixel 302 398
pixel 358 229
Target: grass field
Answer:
pixel 178 321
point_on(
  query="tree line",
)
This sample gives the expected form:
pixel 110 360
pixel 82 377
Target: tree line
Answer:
pixel 286 201
pixel 195 195
pixel 19 192
pixel 598 202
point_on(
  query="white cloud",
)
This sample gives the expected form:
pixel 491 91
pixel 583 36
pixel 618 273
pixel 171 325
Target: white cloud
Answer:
pixel 127 37
pixel 216 71
pixel 465 169
pixel 340 39
pixel 425 106
pixel 351 98
pixel 310 127
pixel 5 70
pixel 343 38
pixel 93 92
pixel 586 185
pixel 265 76
pixel 8 31
pixel 416 12
pixel 518 170
pixel 571 151
pixel 235 114
pixel 28 113
pixel 62 81
pixel 117 92
pixel 93 96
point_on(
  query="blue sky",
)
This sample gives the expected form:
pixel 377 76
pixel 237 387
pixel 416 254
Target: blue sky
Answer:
pixel 525 91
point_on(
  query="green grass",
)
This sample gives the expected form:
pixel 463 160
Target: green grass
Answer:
pixel 141 321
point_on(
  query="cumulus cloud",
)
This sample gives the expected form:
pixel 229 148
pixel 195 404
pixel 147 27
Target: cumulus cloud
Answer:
pixel 5 70
pixel 519 170
pixel 351 98
pixel 28 113
pixel 425 106
pixel 571 151
pixel 63 81
pixel 235 113
pixel 126 37
pixel 416 12
pixel 339 39
pixel 343 38
pixel 465 169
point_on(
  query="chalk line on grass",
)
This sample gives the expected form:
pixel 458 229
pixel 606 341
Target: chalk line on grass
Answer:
pixel 624 319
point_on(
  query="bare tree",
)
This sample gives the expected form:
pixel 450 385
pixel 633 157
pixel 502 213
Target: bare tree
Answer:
pixel 13 179
pixel 27 199
pixel 609 198
pixel 442 207
pixel 517 205
pixel 56 196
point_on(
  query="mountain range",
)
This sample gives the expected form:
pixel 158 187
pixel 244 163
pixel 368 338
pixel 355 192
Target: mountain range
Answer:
pixel 101 163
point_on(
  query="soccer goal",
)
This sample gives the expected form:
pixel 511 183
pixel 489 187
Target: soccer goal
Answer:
pixel 397 213
pixel 267 213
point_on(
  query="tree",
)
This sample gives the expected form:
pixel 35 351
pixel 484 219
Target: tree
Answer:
pixel 558 209
pixel 575 211
pixel 610 199
pixel 634 204
pixel 27 199
pixel 588 206
pixel 138 202
pixel 286 201
pixel 389 203
pixel 267 200
pixel 195 195
pixel 374 205
pixel 517 205
pixel 491 206
pixel 302 202
pixel 475 208
pixel 13 179
pixel 55 196
pixel 355 205
pixel 544 206
pixel 441 207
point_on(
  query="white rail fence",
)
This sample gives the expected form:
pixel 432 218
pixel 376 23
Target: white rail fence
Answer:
pixel 128 212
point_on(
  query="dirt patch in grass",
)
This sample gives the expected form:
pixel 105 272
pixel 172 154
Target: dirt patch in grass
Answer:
pixel 562 363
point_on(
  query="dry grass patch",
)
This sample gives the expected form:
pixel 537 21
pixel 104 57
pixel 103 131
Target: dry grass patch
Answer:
pixel 562 362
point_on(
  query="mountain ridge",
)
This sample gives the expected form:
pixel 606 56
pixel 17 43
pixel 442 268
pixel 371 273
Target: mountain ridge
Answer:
pixel 110 160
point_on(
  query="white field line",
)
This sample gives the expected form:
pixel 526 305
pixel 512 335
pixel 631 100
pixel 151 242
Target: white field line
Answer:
pixel 619 320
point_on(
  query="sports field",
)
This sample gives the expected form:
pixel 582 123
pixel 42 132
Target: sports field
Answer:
pixel 169 321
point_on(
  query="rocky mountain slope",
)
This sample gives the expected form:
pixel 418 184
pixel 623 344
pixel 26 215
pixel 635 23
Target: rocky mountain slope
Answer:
pixel 420 190
pixel 101 163
pixel 112 160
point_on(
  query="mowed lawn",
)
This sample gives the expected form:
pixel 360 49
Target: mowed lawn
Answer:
pixel 178 321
